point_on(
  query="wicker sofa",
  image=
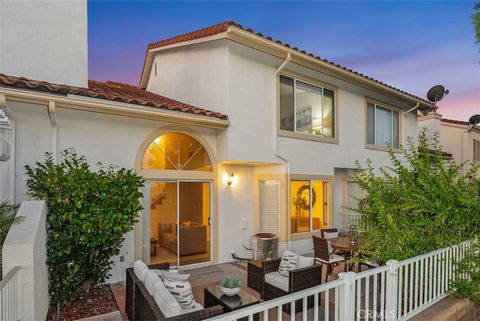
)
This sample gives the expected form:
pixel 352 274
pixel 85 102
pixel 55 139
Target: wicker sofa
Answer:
pixel 299 279
pixel 141 306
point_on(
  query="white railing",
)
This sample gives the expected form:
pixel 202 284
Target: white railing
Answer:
pixel 10 295
pixel 396 291
pixel 350 218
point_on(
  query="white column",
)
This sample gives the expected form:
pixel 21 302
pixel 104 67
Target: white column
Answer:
pixel 346 298
pixel 391 290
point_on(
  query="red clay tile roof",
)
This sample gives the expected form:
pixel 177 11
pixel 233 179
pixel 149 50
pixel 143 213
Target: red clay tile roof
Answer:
pixel 223 27
pixel 109 90
pixel 457 122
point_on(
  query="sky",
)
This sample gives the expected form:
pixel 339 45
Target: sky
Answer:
pixel 407 44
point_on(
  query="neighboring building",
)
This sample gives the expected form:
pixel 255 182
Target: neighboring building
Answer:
pixel 255 136
pixel 458 138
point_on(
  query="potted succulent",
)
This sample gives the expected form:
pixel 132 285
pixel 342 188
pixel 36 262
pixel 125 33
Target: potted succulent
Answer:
pixel 230 287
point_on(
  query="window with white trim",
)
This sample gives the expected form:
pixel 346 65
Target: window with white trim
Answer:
pixel 383 126
pixel 306 108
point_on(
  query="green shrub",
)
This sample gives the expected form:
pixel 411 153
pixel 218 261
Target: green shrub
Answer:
pixel 418 204
pixel 89 214
pixel 7 219
pixel 468 287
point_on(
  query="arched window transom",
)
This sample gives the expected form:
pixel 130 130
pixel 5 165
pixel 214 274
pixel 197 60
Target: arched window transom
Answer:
pixel 176 151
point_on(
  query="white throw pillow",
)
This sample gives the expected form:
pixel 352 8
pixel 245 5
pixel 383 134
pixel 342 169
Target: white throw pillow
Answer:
pixel 330 235
pixel 140 269
pixel 304 261
pixel 151 279
pixel 165 301
pixel 182 292
pixel 172 275
pixel 288 263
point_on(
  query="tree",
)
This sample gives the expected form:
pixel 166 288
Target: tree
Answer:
pixel 476 22
pixel 89 214
pixel 418 204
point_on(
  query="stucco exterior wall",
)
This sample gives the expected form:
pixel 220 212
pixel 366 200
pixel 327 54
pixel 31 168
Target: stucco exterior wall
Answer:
pixel 457 140
pixel 99 137
pixel 45 40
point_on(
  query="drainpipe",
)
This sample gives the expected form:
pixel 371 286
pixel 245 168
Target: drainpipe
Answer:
pixel 52 114
pixel 275 133
pixel 11 168
pixel 412 109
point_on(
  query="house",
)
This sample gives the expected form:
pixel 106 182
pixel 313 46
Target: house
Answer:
pixel 458 138
pixel 235 133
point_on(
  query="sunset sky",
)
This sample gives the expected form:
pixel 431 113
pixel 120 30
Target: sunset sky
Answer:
pixel 409 45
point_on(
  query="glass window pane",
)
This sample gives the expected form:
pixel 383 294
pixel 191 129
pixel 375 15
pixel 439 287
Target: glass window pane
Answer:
pixel 396 129
pixel 286 103
pixel 371 124
pixel 308 109
pixel 320 207
pixel 300 206
pixel 383 126
pixel 176 151
pixel 328 113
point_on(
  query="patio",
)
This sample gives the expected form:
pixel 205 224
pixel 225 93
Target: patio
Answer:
pixel 201 278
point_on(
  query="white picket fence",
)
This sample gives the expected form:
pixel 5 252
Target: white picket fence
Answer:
pixel 350 218
pixel 396 291
pixel 10 296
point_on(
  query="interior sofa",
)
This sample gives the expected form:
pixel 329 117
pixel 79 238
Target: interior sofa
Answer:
pixel 141 306
pixel 193 237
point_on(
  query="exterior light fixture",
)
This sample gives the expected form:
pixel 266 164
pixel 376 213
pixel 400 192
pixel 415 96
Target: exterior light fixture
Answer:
pixel 231 179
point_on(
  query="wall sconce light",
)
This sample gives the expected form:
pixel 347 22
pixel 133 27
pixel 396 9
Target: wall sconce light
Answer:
pixel 230 179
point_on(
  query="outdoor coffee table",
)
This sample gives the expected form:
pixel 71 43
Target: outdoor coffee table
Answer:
pixel 213 296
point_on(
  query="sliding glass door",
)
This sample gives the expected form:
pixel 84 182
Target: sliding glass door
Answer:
pixel 176 223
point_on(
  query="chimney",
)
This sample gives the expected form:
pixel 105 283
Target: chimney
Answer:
pixel 432 121
pixel 45 40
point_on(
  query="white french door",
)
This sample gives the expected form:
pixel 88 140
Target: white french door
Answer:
pixel 176 222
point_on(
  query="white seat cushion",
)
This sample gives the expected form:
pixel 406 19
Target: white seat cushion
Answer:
pixel 334 258
pixel 288 262
pixel 277 280
pixel 165 301
pixel 151 279
pixel 304 261
pixel 197 307
pixel 140 269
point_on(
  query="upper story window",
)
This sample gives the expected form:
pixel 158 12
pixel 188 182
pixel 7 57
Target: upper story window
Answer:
pixel 476 150
pixel 383 128
pixel 306 108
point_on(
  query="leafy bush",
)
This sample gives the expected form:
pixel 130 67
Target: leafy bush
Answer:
pixel 418 204
pixel 469 286
pixel 89 214
pixel 7 219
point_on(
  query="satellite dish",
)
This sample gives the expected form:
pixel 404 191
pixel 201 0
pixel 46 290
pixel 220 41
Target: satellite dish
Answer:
pixel 474 120
pixel 436 93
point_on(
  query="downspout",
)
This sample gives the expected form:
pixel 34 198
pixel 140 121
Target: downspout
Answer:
pixel 275 132
pixel 52 114
pixel 11 168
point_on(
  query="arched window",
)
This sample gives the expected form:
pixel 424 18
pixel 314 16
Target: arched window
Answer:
pixel 176 151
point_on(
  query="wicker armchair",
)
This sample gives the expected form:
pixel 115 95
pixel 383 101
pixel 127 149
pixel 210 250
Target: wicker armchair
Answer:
pixel 141 306
pixel 323 255
pixel 298 279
